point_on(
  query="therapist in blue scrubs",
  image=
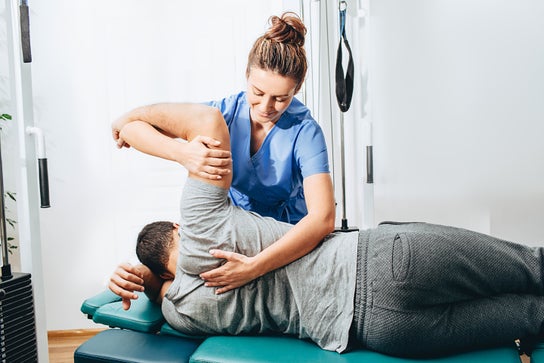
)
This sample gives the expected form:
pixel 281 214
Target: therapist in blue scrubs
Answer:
pixel 279 156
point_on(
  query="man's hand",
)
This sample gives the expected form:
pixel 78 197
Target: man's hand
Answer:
pixel 125 280
pixel 236 272
pixel 116 127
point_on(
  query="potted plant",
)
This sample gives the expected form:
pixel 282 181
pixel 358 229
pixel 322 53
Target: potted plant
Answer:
pixel 9 196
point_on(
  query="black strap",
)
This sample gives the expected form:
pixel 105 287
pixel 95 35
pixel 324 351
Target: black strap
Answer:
pixel 344 85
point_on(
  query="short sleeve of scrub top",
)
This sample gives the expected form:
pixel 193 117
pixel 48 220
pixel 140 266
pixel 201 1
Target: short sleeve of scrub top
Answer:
pixel 270 182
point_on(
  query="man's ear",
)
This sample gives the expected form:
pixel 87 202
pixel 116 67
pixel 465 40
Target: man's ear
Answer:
pixel 175 226
pixel 166 276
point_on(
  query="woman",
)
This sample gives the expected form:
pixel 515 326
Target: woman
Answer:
pixel 279 155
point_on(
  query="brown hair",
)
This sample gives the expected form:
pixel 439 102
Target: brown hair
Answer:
pixel 281 48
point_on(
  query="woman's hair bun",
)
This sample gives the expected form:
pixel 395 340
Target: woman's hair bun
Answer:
pixel 286 29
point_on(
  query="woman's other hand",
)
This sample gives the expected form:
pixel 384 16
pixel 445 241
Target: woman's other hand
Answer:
pixel 237 271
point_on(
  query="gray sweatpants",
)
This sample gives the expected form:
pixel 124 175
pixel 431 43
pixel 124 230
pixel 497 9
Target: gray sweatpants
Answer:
pixel 426 290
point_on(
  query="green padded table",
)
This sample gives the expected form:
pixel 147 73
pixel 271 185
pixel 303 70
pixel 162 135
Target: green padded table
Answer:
pixel 143 327
pixel 224 349
pixel 538 353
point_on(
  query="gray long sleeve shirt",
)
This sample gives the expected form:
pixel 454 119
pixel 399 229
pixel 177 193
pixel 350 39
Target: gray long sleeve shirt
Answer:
pixel 310 298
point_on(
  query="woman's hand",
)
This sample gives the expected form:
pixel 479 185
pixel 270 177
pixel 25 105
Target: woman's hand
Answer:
pixel 201 157
pixel 236 272
pixel 125 280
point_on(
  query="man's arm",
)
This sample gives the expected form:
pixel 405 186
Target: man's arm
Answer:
pixel 145 138
pixel 210 123
pixel 173 119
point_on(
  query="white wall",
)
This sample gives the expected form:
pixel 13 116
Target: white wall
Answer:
pixel 456 90
pixel 321 18
pixel 452 90
pixel 92 61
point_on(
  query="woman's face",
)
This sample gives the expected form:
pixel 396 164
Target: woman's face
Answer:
pixel 269 94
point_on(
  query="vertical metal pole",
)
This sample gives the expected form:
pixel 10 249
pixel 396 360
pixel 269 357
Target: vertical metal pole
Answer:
pixel 327 84
pixel 343 166
pixel 27 187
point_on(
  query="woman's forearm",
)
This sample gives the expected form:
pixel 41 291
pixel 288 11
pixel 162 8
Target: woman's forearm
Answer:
pixel 239 269
pixel 308 232
pixel 298 242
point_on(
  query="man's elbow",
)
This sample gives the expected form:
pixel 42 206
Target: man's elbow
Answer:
pixel 211 123
pixel 211 116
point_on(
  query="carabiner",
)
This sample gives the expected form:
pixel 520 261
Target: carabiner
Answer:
pixel 342 6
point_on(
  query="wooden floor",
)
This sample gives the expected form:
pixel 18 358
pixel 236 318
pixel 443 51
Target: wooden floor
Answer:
pixel 63 343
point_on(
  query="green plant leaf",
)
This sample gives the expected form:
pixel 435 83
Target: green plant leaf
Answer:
pixel 5 116
pixel 12 195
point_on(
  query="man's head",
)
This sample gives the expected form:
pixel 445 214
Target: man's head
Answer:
pixel 157 248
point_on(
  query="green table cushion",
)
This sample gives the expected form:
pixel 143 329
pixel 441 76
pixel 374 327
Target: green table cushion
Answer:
pixel 143 315
pixel 91 304
pixel 168 330
pixel 225 349
pixel 117 345
pixel 537 356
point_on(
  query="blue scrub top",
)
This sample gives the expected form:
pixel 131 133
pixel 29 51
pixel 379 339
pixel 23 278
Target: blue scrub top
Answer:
pixel 270 181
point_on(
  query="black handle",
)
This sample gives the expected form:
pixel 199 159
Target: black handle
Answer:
pixel 44 183
pixel 25 33
pixel 369 165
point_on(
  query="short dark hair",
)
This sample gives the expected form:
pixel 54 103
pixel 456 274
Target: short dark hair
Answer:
pixel 153 245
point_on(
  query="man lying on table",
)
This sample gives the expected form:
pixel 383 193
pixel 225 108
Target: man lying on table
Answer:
pixel 392 289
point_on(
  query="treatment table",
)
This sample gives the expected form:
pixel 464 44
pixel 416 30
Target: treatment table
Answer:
pixel 141 335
